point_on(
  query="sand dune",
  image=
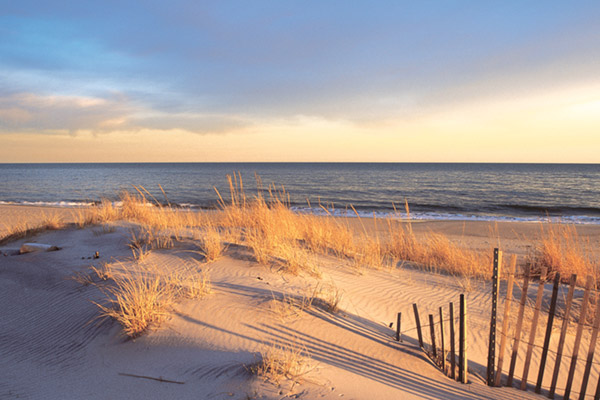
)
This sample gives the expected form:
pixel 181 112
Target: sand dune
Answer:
pixel 52 346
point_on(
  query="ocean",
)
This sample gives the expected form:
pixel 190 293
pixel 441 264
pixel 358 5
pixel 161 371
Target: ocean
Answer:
pixel 512 192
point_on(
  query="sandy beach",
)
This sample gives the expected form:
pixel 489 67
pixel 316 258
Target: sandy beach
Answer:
pixel 53 346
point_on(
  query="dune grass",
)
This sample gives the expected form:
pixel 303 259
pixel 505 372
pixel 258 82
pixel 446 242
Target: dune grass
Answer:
pixel 561 249
pixel 276 235
pixel 141 295
pixel 282 362
pixel 48 222
pixel 136 299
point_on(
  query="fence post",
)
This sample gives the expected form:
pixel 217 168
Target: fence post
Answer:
pixel 592 348
pixel 584 307
pixel 538 386
pixel 398 327
pixel 462 338
pixel 418 322
pixel 432 330
pixel 513 359
pixel 452 344
pixel 492 342
pixel 507 305
pixel 534 322
pixel 442 340
pixel 563 335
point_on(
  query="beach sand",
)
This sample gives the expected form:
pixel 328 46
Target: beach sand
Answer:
pixel 52 346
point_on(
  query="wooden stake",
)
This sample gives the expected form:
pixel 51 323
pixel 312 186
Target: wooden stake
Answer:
pixel 398 327
pixel 584 307
pixel 538 386
pixel 507 305
pixel 442 340
pixel 534 322
pixel 563 335
pixel 492 341
pixel 418 322
pixel 592 348
pixel 452 344
pixel 432 330
pixel 462 339
pixel 160 379
pixel 515 349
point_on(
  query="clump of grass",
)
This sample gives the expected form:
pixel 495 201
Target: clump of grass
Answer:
pixel 22 229
pixel 211 243
pixel 296 260
pixel 282 362
pixel 288 306
pixel 435 252
pixel 52 221
pixel 329 297
pixel 84 279
pixel 150 238
pixel 191 283
pixel 561 249
pixel 260 244
pixel 136 299
pixel 105 229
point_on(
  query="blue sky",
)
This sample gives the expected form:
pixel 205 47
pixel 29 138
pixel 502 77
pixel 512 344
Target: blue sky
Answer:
pixel 224 67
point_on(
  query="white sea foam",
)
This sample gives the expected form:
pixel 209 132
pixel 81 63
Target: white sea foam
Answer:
pixel 415 216
pixel 421 216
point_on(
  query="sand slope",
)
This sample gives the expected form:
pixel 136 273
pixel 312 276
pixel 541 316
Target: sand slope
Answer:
pixel 49 348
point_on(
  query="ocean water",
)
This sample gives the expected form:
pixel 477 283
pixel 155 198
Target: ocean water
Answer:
pixel 520 192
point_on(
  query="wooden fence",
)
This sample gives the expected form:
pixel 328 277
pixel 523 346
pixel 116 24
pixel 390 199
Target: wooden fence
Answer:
pixel 495 368
pixel 457 370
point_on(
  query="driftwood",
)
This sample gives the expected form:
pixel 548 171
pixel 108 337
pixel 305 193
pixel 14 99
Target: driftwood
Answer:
pixel 159 379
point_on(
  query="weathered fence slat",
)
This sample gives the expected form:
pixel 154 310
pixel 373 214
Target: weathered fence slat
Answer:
pixel 462 338
pixel 492 341
pixel 563 335
pixel 538 386
pixel 443 348
pixel 513 359
pixel 507 305
pixel 398 327
pixel 432 331
pixel 582 316
pixel 534 322
pixel 591 349
pixel 418 323
pixel 452 343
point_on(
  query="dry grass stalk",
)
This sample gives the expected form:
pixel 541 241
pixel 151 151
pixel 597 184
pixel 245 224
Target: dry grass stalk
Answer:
pixel 329 297
pixel 283 362
pixel 435 252
pixel 287 306
pixel 52 221
pixel 211 243
pixel 150 238
pixel 563 250
pixel 135 300
pixel 191 283
pixel 21 230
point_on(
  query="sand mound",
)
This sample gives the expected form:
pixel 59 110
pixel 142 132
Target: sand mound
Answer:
pixel 52 346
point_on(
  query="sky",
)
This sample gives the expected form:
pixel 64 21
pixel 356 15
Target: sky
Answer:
pixel 228 81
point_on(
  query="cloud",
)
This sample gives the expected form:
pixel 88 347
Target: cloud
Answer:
pixel 34 113
pixel 194 123
pixel 52 114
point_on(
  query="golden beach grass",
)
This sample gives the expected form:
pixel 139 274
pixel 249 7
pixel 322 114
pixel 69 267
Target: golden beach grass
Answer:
pixel 563 250
pixel 276 235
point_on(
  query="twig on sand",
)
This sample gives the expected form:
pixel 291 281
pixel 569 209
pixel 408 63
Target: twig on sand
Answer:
pixel 159 379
